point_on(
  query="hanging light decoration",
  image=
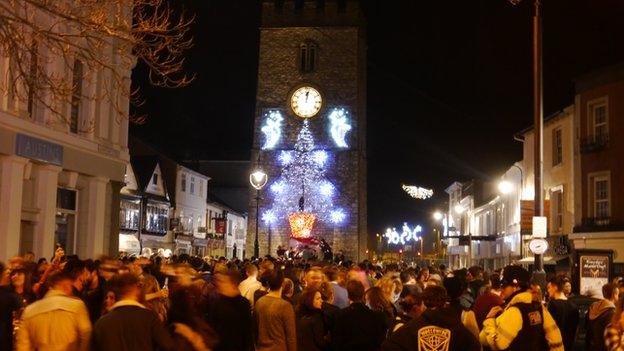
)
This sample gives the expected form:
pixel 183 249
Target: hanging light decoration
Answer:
pixel 417 192
pixel 301 224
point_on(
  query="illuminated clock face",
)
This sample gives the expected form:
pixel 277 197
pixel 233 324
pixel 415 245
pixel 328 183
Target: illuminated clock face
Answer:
pixel 306 102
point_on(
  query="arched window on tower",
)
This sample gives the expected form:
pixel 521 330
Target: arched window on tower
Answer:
pixel 307 56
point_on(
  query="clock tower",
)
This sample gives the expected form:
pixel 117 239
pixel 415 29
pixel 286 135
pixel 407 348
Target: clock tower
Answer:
pixel 310 128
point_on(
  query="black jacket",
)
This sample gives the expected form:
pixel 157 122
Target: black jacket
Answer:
pixel 599 316
pixel 359 328
pixel 311 332
pixel 130 328
pixel 439 323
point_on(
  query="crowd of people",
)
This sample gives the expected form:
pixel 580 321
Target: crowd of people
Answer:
pixel 191 303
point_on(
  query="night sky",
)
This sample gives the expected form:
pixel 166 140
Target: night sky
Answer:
pixel 449 83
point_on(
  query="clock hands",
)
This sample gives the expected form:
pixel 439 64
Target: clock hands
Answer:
pixel 307 95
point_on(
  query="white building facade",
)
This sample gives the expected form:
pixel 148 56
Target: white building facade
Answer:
pixel 60 173
pixel 191 191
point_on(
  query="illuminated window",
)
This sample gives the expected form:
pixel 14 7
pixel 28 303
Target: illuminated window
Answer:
pixel 183 182
pixel 601 197
pixel 192 185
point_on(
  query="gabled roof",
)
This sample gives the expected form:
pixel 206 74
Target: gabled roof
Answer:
pixel 144 167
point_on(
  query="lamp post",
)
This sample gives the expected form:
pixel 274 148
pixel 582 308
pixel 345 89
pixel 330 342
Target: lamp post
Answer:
pixel 538 143
pixel 258 180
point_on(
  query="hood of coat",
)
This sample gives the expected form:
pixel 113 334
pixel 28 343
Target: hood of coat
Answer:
pixel 600 307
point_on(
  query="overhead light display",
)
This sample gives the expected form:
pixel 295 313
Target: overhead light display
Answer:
pixel 407 234
pixel 301 224
pixel 417 192
pixel 272 129
pixel 339 126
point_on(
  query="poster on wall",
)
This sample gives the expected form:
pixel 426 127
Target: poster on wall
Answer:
pixel 594 273
pixel 220 226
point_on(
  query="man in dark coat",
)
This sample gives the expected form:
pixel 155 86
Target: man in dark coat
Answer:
pixel 599 316
pixel 438 328
pixel 358 327
pixel 129 325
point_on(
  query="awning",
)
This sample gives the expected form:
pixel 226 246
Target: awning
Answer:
pixel 549 260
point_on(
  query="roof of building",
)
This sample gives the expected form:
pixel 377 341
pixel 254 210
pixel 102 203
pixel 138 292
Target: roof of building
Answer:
pixel 598 77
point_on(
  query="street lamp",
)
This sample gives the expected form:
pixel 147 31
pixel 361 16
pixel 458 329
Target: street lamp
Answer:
pixel 459 209
pixel 505 187
pixel 258 180
pixel 437 215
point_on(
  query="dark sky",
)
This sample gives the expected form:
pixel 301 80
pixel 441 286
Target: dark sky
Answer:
pixel 449 83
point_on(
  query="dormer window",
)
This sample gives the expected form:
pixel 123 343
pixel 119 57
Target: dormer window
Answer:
pixel 307 57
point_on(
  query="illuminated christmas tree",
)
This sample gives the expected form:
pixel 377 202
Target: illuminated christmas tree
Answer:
pixel 302 193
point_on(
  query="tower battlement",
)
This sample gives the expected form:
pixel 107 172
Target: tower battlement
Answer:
pixel 306 13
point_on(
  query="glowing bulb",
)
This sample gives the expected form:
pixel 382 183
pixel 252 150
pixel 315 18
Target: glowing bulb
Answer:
pixel 285 158
pixel 278 187
pixel 459 209
pixel 320 157
pixel 337 216
pixel 326 189
pixel 437 215
pixel 505 187
pixel 339 126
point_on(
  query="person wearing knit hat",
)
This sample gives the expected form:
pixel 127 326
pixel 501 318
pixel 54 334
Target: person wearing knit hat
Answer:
pixel 523 324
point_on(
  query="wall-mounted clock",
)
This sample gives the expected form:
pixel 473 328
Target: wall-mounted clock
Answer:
pixel 306 102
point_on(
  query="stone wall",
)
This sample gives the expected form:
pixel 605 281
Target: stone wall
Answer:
pixel 340 76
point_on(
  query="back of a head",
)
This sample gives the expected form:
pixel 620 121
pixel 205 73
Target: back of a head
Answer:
pixel 331 273
pixel 516 276
pixel 558 282
pixel 274 279
pixel 327 291
pixel 123 284
pixel 454 287
pixel 405 276
pixel 495 281
pixel 475 272
pixel 355 290
pixel 59 277
pixel 608 290
pixel 434 296
pixel 251 269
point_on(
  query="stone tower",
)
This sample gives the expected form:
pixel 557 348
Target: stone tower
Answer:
pixel 312 50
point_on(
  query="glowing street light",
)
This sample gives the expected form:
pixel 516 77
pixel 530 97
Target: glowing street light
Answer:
pixel 459 209
pixel 437 215
pixel 505 187
pixel 258 179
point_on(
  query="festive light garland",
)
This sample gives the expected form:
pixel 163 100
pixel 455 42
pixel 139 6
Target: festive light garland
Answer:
pixel 417 192
pixel 339 126
pixel 272 129
pixel 406 234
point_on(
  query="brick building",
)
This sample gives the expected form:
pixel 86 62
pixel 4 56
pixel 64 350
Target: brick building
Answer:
pixel 319 45
pixel 599 199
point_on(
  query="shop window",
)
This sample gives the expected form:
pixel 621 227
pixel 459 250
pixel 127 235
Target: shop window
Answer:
pixel 65 229
pixel 601 197
pixel 129 214
pixel 600 121
pixel 156 217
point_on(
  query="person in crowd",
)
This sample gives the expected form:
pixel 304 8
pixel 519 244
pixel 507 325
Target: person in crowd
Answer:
pixel 506 328
pixel 357 327
pixel 412 307
pixel 330 311
pixel 313 277
pixel 312 334
pixel 230 314
pixel 250 284
pixel 190 332
pixel 438 328
pixel 21 284
pixel 567 287
pixel 377 301
pixel 563 311
pixel 130 325
pixel 274 318
pixel 155 297
pixel 10 307
pixel 456 288
pixel 490 299
pixel 408 280
pixel 109 302
pixel 599 316
pixel 56 322
pixel 340 294
pixel 288 290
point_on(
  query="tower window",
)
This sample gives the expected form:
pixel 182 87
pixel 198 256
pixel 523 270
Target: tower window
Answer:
pixel 307 57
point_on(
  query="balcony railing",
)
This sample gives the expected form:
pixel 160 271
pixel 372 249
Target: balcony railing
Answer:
pixel 594 143
pixel 599 224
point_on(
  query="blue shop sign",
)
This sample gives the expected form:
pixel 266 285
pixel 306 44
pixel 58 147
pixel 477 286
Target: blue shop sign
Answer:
pixel 37 149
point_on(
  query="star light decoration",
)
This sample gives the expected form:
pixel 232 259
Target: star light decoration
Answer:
pixel 339 126
pixel 406 234
pixel 302 187
pixel 417 192
pixel 272 129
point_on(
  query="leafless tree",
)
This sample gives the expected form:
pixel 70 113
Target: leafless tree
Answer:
pixel 62 52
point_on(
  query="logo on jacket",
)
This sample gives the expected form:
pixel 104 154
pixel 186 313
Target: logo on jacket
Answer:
pixel 535 318
pixel 433 338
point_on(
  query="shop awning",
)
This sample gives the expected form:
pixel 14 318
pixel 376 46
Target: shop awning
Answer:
pixel 549 260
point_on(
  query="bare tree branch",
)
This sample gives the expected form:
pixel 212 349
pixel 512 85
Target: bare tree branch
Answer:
pixel 42 40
